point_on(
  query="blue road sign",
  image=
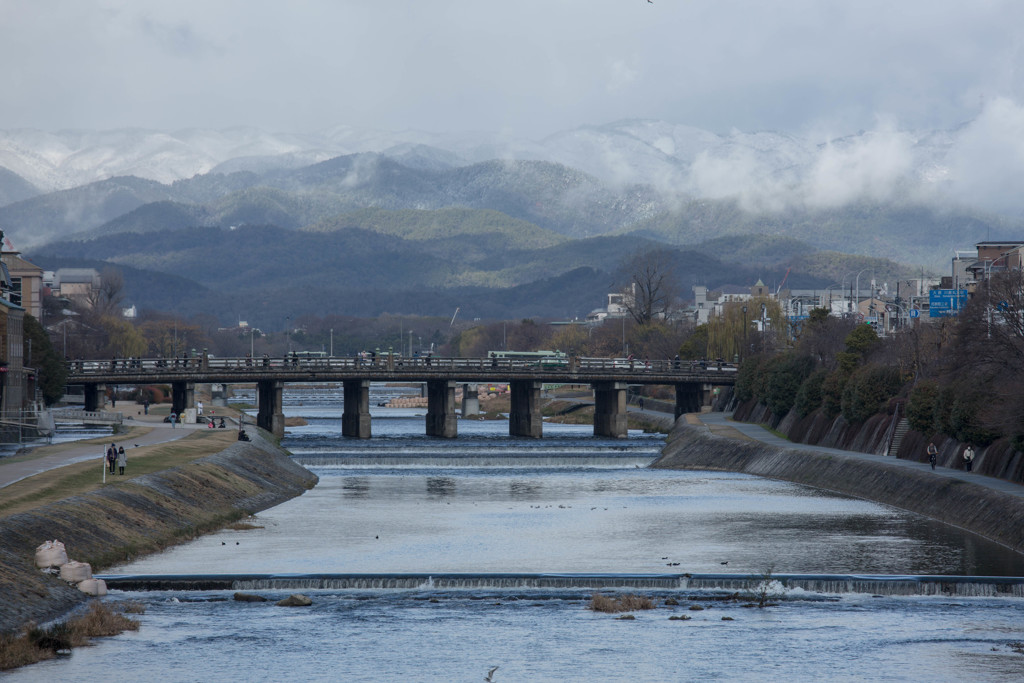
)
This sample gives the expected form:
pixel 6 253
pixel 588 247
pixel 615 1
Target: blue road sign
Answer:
pixel 945 302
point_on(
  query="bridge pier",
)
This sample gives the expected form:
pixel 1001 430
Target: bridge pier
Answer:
pixel 183 395
pixel 524 418
pixel 470 400
pixel 441 409
pixel 355 418
pixel 689 398
pixel 610 410
pixel 270 410
pixel 92 396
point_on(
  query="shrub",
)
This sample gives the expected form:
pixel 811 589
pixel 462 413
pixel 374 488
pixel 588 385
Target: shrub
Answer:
pixel 783 376
pixel 621 603
pixel 943 409
pixel 964 420
pixel 808 397
pixel 832 393
pixel 868 390
pixel 921 407
pixel 749 378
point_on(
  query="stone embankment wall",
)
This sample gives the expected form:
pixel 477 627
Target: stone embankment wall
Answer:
pixel 145 514
pixel 998 460
pixel 992 514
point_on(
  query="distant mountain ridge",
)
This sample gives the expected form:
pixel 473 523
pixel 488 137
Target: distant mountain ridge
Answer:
pixel 765 170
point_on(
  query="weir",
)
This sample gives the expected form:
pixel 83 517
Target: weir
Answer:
pixel 505 460
pixel 824 584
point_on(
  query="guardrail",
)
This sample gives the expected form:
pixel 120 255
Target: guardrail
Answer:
pixel 392 363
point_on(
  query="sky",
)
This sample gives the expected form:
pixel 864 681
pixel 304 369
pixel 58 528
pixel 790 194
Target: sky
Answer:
pixel 527 68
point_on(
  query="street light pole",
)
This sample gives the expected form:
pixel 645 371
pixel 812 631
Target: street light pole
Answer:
pixel 858 288
pixel 744 353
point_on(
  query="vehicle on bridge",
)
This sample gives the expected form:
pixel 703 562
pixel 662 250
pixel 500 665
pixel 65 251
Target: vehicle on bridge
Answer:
pixel 540 359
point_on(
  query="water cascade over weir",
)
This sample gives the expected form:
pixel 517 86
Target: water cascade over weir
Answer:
pixel 828 584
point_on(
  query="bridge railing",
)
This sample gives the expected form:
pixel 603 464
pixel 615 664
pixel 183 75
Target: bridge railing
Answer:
pixel 383 362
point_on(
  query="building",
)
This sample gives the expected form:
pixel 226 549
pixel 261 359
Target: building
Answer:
pixel 26 283
pixel 76 284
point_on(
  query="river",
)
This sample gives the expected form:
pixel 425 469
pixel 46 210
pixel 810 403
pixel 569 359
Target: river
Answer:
pixel 497 539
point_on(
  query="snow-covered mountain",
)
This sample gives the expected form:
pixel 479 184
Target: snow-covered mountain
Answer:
pixel 975 165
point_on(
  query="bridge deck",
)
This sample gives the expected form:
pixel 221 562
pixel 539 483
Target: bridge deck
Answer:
pixel 228 370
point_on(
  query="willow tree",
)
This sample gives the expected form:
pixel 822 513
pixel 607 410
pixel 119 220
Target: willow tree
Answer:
pixel 738 332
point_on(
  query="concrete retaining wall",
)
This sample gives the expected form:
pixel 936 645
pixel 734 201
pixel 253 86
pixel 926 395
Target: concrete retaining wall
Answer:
pixel 992 514
pixel 147 513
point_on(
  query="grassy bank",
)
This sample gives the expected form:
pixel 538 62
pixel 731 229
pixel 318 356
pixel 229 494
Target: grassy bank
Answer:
pixel 171 493
pixel 35 644
pixel 84 477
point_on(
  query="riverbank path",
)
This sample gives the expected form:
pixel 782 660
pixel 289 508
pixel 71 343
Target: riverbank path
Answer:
pixel 44 458
pixel 722 423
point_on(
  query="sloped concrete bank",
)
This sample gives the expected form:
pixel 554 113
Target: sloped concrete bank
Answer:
pixel 144 515
pixel 992 514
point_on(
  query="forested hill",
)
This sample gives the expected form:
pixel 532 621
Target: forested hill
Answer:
pixel 360 271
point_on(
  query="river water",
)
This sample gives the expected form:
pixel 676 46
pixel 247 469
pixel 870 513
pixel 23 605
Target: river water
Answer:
pixel 499 534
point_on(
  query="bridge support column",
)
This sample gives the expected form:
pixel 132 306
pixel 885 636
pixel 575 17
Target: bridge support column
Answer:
pixel 183 395
pixel 524 418
pixel 689 398
pixel 610 410
pixel 441 409
pixel 93 392
pixel 470 400
pixel 355 419
pixel 270 410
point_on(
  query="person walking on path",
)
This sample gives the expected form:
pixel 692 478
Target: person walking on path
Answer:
pixel 933 454
pixel 968 457
pixel 111 456
pixel 174 419
pixel 121 460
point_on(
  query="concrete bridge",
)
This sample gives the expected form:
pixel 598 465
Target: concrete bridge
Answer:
pixel 609 379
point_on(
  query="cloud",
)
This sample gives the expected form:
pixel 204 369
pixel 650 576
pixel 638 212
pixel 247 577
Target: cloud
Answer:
pixel 620 75
pixel 986 160
pixel 873 166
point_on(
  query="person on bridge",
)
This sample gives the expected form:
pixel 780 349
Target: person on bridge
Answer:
pixel 121 460
pixel 933 454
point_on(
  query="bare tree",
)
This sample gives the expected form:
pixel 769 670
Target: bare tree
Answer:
pixel 653 285
pixel 105 299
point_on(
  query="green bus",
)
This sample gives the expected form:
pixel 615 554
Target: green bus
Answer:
pixel 540 359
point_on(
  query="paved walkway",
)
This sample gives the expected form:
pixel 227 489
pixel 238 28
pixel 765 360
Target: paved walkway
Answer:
pixel 20 467
pixel 759 433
